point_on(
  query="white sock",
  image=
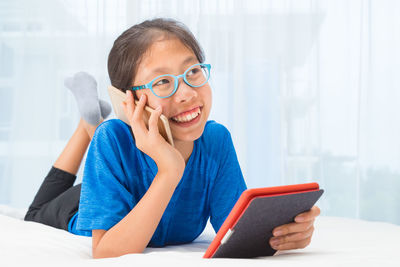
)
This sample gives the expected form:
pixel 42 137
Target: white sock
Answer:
pixel 84 87
pixel 105 108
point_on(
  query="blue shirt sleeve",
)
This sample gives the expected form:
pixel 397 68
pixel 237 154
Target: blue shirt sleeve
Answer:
pixel 105 199
pixel 228 184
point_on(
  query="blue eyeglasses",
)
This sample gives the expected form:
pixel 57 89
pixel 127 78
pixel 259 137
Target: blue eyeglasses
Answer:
pixel 164 86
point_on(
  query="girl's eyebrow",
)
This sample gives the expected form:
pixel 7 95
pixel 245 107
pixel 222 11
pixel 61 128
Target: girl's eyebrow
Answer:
pixel 188 60
pixel 163 70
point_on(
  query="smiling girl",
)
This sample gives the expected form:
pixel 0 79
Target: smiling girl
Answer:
pixel 138 190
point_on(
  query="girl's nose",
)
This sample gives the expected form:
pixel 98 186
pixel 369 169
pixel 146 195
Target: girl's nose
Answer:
pixel 184 92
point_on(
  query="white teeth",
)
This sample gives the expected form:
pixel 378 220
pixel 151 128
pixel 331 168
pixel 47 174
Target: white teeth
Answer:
pixel 188 117
pixel 192 116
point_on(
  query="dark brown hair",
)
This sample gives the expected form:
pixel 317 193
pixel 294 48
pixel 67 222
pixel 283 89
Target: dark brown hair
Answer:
pixel 128 49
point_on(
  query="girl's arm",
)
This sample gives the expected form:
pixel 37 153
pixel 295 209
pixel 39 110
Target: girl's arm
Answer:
pixel 133 233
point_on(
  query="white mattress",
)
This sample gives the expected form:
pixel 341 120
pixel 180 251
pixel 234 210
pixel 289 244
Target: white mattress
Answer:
pixel 336 242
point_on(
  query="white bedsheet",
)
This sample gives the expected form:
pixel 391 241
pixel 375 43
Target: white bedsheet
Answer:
pixel 336 242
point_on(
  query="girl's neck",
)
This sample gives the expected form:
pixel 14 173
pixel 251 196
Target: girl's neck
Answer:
pixel 185 148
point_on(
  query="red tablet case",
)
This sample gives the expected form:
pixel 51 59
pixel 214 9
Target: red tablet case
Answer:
pixel 248 228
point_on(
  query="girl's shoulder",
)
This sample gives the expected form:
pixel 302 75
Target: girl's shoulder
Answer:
pixel 215 142
pixel 113 129
pixel 114 126
pixel 215 132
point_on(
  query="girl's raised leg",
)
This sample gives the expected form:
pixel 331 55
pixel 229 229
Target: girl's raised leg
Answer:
pixel 57 199
pixel 71 157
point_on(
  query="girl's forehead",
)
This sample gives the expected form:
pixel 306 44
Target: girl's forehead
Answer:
pixel 164 52
pixel 164 56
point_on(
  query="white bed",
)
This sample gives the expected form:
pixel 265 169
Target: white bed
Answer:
pixel 336 242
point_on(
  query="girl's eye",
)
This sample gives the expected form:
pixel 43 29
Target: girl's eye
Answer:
pixel 193 71
pixel 161 82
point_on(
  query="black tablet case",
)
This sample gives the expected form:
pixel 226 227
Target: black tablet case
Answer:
pixel 251 234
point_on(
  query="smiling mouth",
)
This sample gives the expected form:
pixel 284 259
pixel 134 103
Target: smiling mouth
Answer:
pixel 196 112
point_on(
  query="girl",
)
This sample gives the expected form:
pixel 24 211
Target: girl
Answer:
pixel 138 190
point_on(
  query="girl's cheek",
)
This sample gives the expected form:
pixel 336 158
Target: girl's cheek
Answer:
pixel 164 107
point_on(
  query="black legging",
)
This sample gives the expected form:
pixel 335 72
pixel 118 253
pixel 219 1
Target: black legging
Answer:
pixel 56 201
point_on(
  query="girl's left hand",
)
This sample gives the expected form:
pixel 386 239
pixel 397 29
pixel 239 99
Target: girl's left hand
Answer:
pixel 297 234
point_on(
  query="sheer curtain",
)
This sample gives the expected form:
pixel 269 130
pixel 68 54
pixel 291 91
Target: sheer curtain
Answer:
pixel 308 89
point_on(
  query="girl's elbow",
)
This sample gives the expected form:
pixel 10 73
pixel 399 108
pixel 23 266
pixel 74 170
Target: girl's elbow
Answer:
pixel 101 254
pixel 97 254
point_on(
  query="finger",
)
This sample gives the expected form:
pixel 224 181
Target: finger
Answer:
pixel 293 245
pixel 308 215
pixel 293 237
pixel 153 120
pixel 128 114
pixel 129 102
pixel 292 228
pixel 138 113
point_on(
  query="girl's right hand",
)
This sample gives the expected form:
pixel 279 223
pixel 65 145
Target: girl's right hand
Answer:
pixel 150 141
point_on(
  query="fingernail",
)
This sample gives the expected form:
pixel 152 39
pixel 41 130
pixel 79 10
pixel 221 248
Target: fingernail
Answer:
pixel 299 219
pixel 275 242
pixel 141 97
pixel 158 108
pixel 277 233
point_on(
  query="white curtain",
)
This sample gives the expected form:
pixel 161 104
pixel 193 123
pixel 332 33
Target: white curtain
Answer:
pixel 308 89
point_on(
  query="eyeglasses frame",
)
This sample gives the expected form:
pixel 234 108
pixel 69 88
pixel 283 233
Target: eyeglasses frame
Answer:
pixel 176 81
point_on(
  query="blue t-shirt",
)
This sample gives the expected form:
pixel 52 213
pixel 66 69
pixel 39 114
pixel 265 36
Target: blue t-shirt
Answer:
pixel 117 175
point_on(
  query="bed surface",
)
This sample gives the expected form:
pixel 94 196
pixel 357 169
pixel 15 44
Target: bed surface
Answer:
pixel 336 242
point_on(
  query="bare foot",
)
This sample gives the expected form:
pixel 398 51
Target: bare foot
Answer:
pixel 90 129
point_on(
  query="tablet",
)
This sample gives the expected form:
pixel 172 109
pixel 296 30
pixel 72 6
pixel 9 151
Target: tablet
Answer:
pixel 248 228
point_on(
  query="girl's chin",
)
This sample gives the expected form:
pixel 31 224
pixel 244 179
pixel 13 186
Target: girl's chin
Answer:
pixel 189 137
